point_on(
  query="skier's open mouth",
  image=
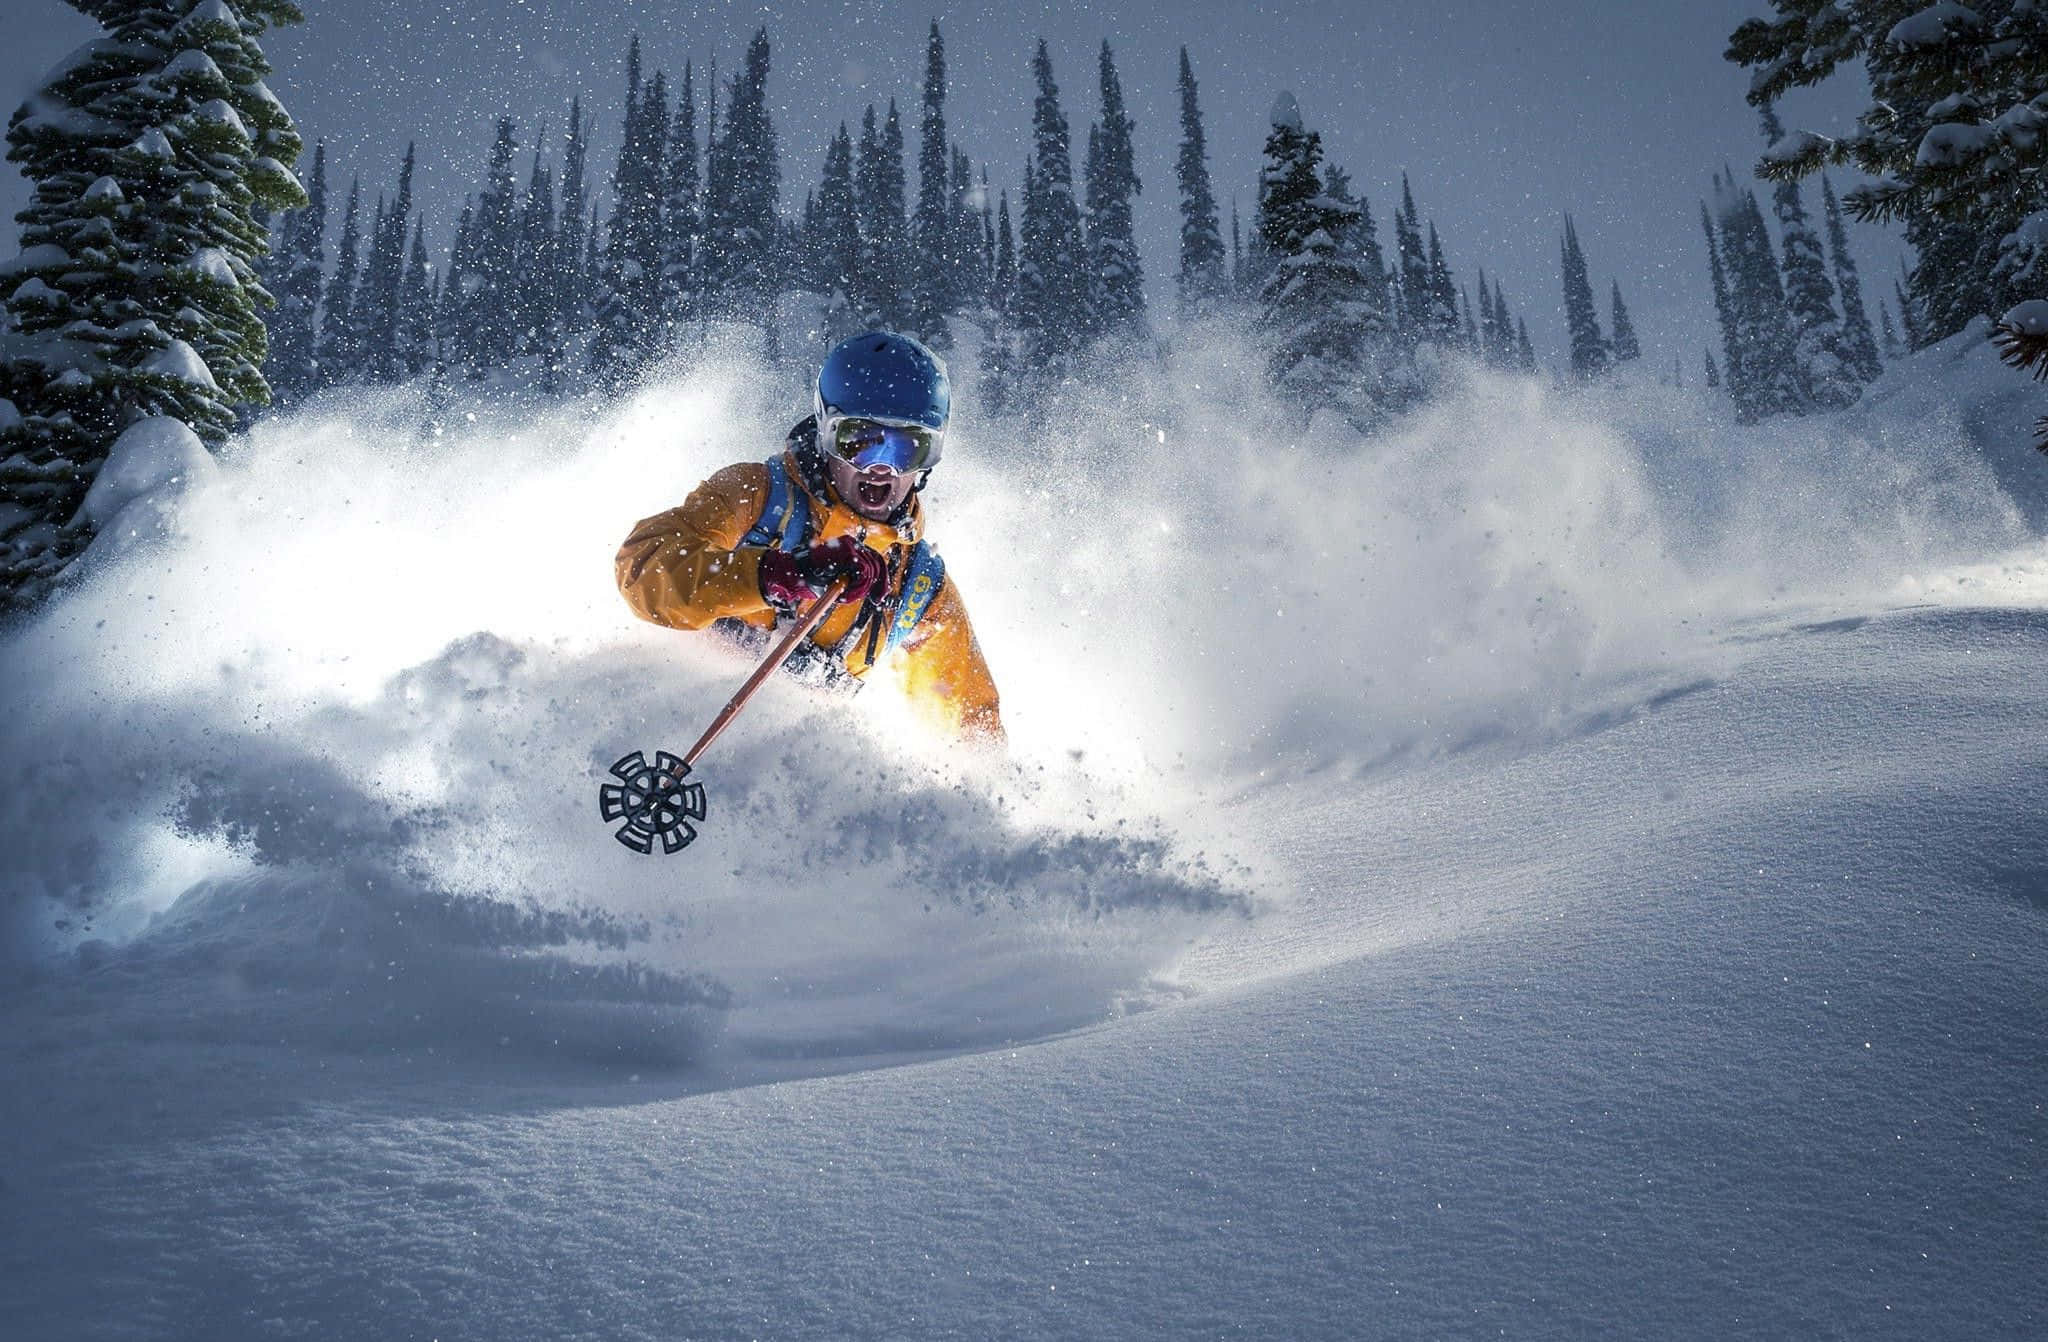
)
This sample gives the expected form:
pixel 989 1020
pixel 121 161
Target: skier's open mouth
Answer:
pixel 877 491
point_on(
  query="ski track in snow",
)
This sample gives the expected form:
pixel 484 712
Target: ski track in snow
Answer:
pixel 1569 867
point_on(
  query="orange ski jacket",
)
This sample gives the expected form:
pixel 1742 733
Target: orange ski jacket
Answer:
pixel 689 568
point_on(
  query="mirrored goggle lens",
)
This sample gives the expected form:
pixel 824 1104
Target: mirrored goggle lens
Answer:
pixel 866 443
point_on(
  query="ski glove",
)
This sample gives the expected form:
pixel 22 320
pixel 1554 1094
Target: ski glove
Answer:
pixel 793 578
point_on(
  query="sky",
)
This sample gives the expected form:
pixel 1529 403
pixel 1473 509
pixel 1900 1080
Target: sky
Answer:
pixel 1504 113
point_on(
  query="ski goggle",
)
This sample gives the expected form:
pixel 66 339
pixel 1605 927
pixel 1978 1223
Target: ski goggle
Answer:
pixel 903 448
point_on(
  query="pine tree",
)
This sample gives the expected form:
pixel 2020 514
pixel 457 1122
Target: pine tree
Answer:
pixel 932 279
pixel 340 346
pixel 1724 310
pixel 1411 269
pixel 1952 139
pixel 744 182
pixel 1626 347
pixel 1237 275
pixel 836 243
pixel 1859 343
pixel 1361 240
pixel 1441 321
pixel 416 307
pixel 1910 324
pixel 1003 280
pixel 490 317
pixel 535 283
pixel 572 293
pixel 883 300
pixel 455 292
pixel 1525 353
pixel 1589 349
pixel 1315 316
pixel 1051 306
pixel 377 301
pixel 1772 384
pixel 1118 287
pixel 294 366
pixel 1828 380
pixel 151 152
pixel 1201 282
pixel 1503 329
pixel 1713 373
pixel 680 224
pixel 969 256
pixel 1892 350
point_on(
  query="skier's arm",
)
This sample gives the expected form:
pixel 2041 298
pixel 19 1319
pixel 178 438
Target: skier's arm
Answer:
pixel 946 675
pixel 683 568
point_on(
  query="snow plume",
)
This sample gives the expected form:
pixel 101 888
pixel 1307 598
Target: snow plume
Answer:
pixel 1207 586
pixel 320 764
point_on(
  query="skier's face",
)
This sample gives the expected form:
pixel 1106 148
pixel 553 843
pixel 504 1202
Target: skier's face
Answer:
pixel 874 492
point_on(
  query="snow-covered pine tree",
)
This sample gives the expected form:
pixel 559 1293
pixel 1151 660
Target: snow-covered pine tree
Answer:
pixel 1829 382
pixel 1952 140
pixel 1315 314
pixel 1361 240
pixel 836 245
pixel 1590 352
pixel 1626 348
pixel 932 279
pixel 340 346
pixel 1201 282
pixel 1118 283
pixel 1763 324
pixel 1859 342
pixel 135 293
pixel 1525 352
pixel 1051 303
pixel 1713 374
pixel 1893 351
pixel 741 274
pixel 294 366
pixel 572 311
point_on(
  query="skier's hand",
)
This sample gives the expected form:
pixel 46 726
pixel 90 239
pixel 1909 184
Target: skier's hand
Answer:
pixel 793 579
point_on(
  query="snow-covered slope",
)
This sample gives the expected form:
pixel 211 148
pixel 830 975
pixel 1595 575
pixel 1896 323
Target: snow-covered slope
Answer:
pixel 1567 868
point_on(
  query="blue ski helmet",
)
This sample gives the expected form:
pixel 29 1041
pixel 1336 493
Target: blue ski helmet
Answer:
pixel 888 378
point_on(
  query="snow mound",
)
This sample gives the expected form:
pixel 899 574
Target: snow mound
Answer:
pixel 179 360
pixel 153 470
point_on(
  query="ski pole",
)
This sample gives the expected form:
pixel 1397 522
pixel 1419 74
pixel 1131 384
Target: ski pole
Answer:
pixel 655 800
pixel 776 657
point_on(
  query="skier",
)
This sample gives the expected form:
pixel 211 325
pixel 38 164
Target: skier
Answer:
pixel 759 541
